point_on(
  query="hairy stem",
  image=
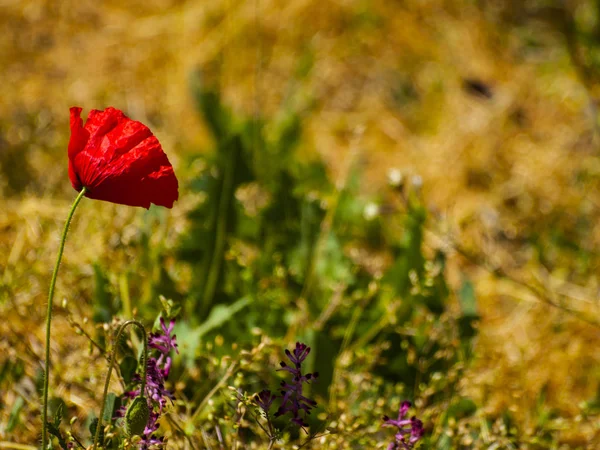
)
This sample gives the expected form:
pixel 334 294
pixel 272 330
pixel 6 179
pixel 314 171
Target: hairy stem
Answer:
pixel 113 357
pixel 49 319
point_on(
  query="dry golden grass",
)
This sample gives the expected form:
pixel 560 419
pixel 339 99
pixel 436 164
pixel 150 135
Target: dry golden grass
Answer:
pixel 495 171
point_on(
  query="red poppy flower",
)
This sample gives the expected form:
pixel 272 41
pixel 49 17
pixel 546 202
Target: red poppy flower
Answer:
pixel 119 160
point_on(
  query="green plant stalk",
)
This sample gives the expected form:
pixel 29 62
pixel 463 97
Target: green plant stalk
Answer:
pixel 113 357
pixel 212 392
pixel 49 318
pixel 215 260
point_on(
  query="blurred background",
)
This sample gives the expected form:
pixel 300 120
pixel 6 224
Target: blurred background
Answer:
pixel 410 187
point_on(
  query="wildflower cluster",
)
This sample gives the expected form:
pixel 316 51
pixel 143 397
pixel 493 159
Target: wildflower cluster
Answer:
pixel 292 398
pixel 409 430
pixel 158 369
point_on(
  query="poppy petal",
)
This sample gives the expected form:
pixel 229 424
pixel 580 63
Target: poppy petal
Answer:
pixel 120 161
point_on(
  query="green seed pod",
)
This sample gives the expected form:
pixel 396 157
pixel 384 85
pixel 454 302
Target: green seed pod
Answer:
pixel 137 416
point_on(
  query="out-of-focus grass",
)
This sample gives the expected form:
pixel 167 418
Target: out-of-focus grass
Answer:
pixel 511 177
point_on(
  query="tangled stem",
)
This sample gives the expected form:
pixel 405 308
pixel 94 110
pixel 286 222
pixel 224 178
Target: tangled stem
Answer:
pixel 113 357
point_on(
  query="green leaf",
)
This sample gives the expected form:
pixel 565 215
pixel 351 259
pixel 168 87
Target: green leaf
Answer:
pixel 13 419
pixel 128 367
pixel 409 257
pixel 332 266
pixel 460 408
pixel 221 314
pixel 189 338
pixel 466 323
pixel 468 301
pixel 109 407
pixel 54 427
pixel 171 308
pixel 92 428
pixel 58 415
pixel 208 103
pixel 102 298
pixel 324 352
pixel 445 441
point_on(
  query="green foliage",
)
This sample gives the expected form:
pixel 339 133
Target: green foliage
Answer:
pixel 109 408
pixel 13 419
pixel 54 427
pixel 270 244
pixel 128 367
pixel 93 426
pixel 103 302
pixel 255 159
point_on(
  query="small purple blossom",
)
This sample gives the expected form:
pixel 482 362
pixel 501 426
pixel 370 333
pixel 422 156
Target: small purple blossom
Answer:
pixel 264 399
pixel 292 398
pixel 164 342
pixel 148 439
pixel 409 430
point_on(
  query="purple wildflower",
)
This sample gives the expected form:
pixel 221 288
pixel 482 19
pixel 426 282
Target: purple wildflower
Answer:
pixel 157 372
pixel 409 430
pixel 155 383
pixel 148 439
pixel 292 398
pixel 264 399
pixel 164 342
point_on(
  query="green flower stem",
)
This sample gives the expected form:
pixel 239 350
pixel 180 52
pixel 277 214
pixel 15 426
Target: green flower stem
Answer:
pixel 113 357
pixel 49 318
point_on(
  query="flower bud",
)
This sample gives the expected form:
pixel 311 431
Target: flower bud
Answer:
pixel 137 416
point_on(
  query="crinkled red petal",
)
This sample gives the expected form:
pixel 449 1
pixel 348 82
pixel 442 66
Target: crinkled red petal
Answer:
pixel 79 138
pixel 121 161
